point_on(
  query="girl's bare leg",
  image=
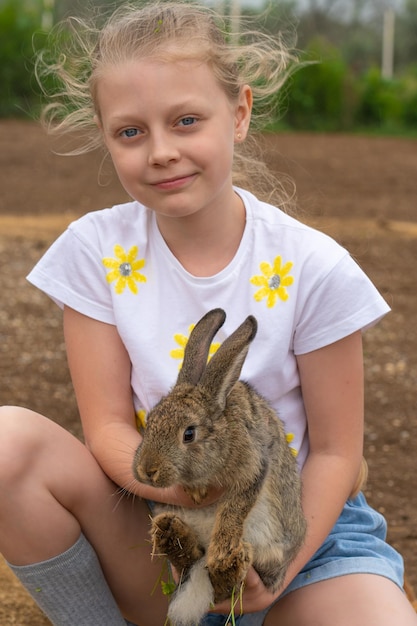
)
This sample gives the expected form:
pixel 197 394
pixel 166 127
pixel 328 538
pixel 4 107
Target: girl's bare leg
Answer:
pixel 51 490
pixel 360 599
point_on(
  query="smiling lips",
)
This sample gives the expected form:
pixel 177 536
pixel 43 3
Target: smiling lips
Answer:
pixel 173 183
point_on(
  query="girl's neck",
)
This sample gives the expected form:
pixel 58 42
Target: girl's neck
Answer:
pixel 205 243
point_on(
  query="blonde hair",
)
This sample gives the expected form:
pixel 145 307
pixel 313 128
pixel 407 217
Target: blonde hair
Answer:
pixel 170 31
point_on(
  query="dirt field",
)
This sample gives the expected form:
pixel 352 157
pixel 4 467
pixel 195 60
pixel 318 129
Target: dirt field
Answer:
pixel 362 191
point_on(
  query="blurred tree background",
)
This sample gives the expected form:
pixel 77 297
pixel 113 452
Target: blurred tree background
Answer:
pixel 348 87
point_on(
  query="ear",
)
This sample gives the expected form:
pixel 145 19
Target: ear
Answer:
pixel 198 346
pixel 223 371
pixel 243 113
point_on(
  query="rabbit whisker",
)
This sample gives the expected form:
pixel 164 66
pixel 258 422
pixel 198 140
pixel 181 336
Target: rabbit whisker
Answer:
pixel 123 492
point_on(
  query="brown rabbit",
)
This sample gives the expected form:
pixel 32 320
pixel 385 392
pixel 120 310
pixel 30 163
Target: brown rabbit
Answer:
pixel 214 430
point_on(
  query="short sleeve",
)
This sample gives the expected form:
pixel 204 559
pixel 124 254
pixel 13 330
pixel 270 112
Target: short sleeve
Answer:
pixel 71 273
pixel 344 301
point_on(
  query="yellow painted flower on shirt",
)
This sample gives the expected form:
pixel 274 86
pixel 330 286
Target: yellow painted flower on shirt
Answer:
pixel 141 420
pixel 182 340
pixel 290 438
pixel 124 269
pixel 273 282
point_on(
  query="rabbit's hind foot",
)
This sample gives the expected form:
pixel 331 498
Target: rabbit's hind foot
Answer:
pixel 172 538
pixel 228 570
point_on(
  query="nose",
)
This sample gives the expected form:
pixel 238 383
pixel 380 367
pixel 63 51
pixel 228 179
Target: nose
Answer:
pixel 152 474
pixel 163 149
pixel 147 473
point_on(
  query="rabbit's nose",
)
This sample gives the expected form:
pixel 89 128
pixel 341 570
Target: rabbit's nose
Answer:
pixel 151 473
pixel 146 473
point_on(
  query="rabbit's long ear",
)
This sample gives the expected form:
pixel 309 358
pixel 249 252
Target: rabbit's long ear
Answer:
pixel 223 371
pixel 198 346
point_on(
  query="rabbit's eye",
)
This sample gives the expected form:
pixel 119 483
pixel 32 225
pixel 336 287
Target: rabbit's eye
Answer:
pixel 189 434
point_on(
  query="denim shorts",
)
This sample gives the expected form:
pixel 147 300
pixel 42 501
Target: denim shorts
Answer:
pixel 356 545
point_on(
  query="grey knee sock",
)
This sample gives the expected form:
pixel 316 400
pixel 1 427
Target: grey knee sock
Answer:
pixel 71 589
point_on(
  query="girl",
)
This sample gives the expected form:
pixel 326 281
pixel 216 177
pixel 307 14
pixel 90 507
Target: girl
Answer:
pixel 171 100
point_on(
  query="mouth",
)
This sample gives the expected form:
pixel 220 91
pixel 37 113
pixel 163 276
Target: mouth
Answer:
pixel 176 182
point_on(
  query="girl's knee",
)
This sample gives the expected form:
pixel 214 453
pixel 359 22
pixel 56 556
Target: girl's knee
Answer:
pixel 20 442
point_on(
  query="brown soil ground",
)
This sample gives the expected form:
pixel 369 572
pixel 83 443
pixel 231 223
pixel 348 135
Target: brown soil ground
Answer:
pixel 363 191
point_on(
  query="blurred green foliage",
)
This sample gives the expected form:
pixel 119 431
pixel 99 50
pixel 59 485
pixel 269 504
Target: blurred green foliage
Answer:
pixel 18 87
pixel 330 92
pixel 329 96
pixel 322 94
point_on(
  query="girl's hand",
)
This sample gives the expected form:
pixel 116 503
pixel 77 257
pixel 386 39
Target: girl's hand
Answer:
pixel 255 596
pixel 181 496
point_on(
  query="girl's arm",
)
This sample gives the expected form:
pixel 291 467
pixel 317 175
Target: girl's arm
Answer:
pixel 100 370
pixel 332 382
pixel 332 387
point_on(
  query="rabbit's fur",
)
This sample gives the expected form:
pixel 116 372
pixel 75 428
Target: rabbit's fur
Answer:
pixel 214 430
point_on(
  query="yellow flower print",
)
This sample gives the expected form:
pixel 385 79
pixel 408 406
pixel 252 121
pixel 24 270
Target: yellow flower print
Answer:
pixel 124 269
pixel 182 340
pixel 141 420
pixel 290 438
pixel 273 282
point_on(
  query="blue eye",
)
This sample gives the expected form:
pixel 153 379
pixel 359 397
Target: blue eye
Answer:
pixel 130 132
pixel 188 121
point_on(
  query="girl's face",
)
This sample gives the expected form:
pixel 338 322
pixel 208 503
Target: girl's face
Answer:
pixel 170 130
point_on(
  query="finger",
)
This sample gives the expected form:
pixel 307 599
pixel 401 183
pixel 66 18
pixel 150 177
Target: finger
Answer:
pixel 252 579
pixel 175 574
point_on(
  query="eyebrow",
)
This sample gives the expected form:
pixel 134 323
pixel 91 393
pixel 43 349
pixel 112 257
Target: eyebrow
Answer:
pixel 184 106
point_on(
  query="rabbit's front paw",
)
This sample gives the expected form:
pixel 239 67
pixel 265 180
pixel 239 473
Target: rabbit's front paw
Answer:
pixel 227 570
pixel 172 538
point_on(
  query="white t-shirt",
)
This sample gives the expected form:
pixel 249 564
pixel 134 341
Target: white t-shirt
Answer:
pixel 303 288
